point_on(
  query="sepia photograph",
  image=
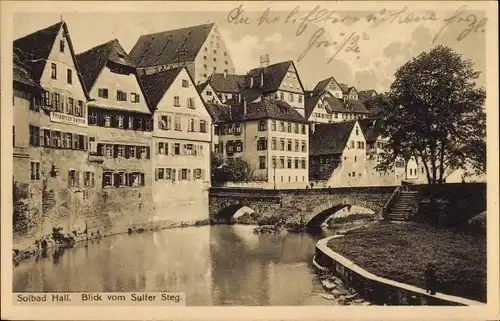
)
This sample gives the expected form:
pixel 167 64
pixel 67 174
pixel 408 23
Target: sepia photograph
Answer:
pixel 249 155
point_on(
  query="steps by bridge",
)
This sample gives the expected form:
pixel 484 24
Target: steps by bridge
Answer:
pixel 405 202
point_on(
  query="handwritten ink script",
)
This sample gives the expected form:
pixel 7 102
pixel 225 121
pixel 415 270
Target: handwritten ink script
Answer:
pixel 350 42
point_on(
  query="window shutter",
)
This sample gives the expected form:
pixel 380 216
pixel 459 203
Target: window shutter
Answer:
pixel 166 148
pixel 74 141
pixel 156 174
pixel 41 137
pixel 203 174
pixel 148 152
pixel 157 148
pixel 77 178
pixel 127 149
pixel 69 178
pixel 115 151
pixel 183 151
pixel 189 174
pixel 86 142
pixel 138 152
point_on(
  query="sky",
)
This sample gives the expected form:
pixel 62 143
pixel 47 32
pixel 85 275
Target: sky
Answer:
pixel 361 53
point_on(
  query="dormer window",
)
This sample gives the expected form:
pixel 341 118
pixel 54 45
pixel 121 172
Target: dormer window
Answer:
pixel 185 83
pixel 61 46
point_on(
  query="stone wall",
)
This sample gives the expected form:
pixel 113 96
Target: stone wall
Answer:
pixel 379 290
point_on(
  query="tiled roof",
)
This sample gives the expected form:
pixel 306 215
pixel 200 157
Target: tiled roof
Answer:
pixel 267 109
pixel 345 88
pixel 161 48
pixel 365 94
pixel 219 113
pixel 273 75
pixel 371 128
pixel 36 48
pixel 155 85
pixel 93 60
pixel 355 106
pixel 310 101
pixel 330 138
pixel 22 71
pixel 227 83
pixel 336 105
pixel 320 86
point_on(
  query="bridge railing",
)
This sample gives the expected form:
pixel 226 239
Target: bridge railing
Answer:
pixel 390 201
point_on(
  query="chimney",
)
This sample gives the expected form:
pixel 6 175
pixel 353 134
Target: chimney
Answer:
pixel 261 80
pixel 244 106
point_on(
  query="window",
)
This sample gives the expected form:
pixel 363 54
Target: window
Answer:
pixel 239 145
pixel 303 161
pixel 282 96
pixel 273 144
pixel 230 147
pixel 190 103
pixel 177 149
pixel 53 71
pixel 107 120
pixel 262 125
pixel 262 162
pixel 132 152
pixel 357 131
pixel 296 145
pixel 282 162
pixel 184 174
pixel 303 146
pixel 61 45
pixel 185 83
pixel 135 97
pixel 282 144
pixel 69 76
pixel 262 143
pixel 274 162
pixel 177 123
pixel 205 48
pixel 57 98
pixel 176 101
pixel 288 162
pixel 35 170
pixel 88 179
pixel 189 149
pixel 296 161
pixel 296 128
pixel 289 145
pixel 34 135
pixel 203 126
pixel 290 97
pixel 197 173
pixel 102 92
pixel 289 127
pixel 107 151
pixel 73 178
pixel 273 125
pixel 352 144
pixel 191 125
pixel 282 126
pixel 300 98
pixel 160 173
pixel 107 179
pixel 121 95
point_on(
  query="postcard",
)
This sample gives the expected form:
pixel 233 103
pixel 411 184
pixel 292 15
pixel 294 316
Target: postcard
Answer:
pixel 249 160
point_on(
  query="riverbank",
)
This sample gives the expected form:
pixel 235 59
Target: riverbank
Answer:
pixel 400 252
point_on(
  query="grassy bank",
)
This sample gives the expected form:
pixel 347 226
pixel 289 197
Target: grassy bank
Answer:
pixel 401 251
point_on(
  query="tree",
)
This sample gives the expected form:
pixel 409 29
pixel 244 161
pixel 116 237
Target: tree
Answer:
pixel 233 170
pixel 377 104
pixel 435 113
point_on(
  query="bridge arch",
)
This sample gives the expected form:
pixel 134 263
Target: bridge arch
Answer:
pixel 233 211
pixel 321 213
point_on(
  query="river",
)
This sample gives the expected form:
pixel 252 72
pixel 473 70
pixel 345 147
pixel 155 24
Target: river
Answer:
pixel 212 265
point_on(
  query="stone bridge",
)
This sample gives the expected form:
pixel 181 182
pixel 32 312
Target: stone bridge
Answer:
pixel 312 206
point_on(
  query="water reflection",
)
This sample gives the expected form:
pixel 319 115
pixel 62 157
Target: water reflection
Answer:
pixel 218 265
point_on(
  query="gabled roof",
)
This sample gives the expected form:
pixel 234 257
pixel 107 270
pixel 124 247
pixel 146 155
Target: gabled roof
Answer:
pixel 218 113
pixel 336 105
pixel 267 109
pixel 330 138
pixel 365 94
pixel 156 85
pixel 320 86
pixel 93 60
pixel 227 83
pixel 161 48
pixel 309 103
pixel 36 48
pixel 352 88
pixel 355 106
pixel 22 72
pixel 371 128
pixel 273 75
pixel 345 89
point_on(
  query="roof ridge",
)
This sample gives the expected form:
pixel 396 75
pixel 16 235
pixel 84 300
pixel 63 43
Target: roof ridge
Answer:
pixel 178 29
pixel 60 23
